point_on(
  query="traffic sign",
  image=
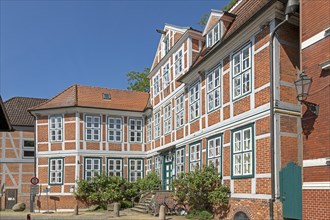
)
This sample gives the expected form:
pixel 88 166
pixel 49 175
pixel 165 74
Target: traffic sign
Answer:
pixel 34 180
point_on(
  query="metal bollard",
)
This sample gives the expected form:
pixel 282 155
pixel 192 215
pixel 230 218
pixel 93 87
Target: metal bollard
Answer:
pixel 28 217
pixel 162 213
pixel 76 210
pixel 116 209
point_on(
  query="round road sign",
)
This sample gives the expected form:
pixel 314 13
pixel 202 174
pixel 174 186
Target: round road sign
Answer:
pixel 34 180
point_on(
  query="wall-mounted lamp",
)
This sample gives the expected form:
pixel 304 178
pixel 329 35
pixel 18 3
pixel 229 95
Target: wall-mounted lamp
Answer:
pixel 303 84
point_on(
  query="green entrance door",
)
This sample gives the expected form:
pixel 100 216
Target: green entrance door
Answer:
pixel 167 171
pixel 291 191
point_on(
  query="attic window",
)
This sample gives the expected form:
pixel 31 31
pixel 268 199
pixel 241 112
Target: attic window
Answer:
pixel 166 44
pixel 213 36
pixel 106 96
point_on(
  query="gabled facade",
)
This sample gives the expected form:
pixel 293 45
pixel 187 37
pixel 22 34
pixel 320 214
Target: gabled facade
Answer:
pixel 17 152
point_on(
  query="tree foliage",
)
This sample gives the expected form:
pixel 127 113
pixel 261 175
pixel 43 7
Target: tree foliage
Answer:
pixel 229 5
pixel 138 81
pixel 201 189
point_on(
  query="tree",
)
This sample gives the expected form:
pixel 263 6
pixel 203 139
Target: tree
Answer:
pixel 138 81
pixel 229 5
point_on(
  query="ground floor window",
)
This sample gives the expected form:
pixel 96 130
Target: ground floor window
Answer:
pixel 195 156
pixel 115 167
pixel 214 152
pixel 149 166
pixel 56 170
pixel 242 151
pixel 135 169
pixel 157 165
pixel 92 167
pixel 179 161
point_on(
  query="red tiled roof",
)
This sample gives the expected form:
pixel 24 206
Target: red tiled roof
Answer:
pixel 89 96
pixel 17 109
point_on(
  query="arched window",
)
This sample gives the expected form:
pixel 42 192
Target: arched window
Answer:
pixel 241 216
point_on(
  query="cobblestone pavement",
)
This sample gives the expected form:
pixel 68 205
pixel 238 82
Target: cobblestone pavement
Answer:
pixel 126 214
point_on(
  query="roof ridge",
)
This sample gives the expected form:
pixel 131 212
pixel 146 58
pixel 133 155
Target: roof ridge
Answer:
pixel 125 90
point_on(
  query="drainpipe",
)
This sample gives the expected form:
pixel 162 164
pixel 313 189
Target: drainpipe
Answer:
pixel 290 9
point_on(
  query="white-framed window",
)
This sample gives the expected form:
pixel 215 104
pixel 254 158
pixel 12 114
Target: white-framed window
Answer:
pixel 115 167
pixel 149 131
pixel 157 124
pixel 135 169
pixel 241 76
pixel 166 42
pixel 167 119
pixel 242 152
pixel 178 64
pixel 135 130
pixel 213 36
pixel 179 161
pixel 179 111
pixel 213 89
pixel 157 165
pixel 194 98
pixel 156 84
pixel 214 152
pixel 56 128
pixel 195 156
pixel 149 166
pixel 166 75
pixel 92 167
pixel 56 171
pixel 114 129
pixel 28 149
pixel 92 128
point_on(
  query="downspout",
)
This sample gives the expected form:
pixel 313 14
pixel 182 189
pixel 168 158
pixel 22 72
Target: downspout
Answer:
pixel 291 8
pixel 271 118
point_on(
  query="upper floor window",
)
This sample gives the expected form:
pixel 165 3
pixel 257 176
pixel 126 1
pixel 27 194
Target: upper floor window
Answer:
pixel 213 89
pixel 213 36
pixel 178 64
pixel 28 149
pixel 135 169
pixel 167 118
pixel 195 156
pixel 135 130
pixel 92 167
pixel 114 129
pixel 149 132
pixel 55 128
pixel 242 152
pixel 179 110
pixel 166 42
pixel 56 170
pixel 93 128
pixel 157 124
pixel 115 167
pixel 166 75
pixel 194 101
pixel 179 163
pixel 156 85
pixel 214 152
pixel 241 77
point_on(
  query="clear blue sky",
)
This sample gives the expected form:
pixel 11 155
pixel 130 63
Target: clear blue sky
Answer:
pixel 47 46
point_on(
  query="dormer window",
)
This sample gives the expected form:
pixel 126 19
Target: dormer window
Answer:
pixel 213 36
pixel 106 96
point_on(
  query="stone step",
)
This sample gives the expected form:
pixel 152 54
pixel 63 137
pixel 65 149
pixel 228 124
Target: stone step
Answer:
pixel 139 210
pixel 140 206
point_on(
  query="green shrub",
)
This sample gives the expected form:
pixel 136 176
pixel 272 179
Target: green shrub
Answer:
pixel 201 189
pixel 124 204
pixel 199 215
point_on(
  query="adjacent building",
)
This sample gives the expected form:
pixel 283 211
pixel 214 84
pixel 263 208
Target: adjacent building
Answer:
pixel 17 151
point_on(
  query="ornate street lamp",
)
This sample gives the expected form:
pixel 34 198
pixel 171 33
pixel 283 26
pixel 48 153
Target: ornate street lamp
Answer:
pixel 303 84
